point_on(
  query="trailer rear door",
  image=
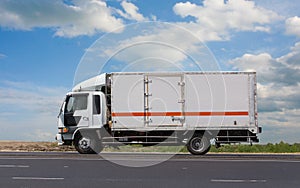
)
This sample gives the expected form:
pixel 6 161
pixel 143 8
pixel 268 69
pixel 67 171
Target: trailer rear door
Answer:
pixel 164 100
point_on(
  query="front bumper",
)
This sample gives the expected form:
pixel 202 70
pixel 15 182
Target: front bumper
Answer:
pixel 63 139
pixel 59 139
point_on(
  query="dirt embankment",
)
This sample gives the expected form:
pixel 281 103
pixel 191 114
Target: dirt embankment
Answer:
pixel 32 146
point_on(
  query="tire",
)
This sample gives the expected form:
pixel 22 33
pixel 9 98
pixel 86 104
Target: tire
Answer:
pixel 198 145
pixel 87 143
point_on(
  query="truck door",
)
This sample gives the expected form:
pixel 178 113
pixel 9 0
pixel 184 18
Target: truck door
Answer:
pixel 164 100
pixel 76 111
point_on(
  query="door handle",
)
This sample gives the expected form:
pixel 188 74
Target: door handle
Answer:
pixel 180 119
pixel 85 118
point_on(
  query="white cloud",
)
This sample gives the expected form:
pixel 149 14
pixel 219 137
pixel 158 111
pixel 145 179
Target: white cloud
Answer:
pixel 216 19
pixel 280 126
pixel 68 20
pixel 282 71
pixel 291 59
pixel 293 26
pixel 158 46
pixel 285 8
pixel 2 56
pixel 147 46
pixel 32 127
pixel 27 108
pixel 249 62
pixel 278 88
pixel 278 77
pixel 28 96
pixel 131 12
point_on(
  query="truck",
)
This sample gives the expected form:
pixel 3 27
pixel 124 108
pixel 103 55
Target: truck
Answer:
pixel 192 109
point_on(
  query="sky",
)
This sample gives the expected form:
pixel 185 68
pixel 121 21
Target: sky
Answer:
pixel 43 42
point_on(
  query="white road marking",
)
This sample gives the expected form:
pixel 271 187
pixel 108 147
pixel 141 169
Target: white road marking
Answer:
pixel 14 166
pixel 36 178
pixel 237 181
pixel 239 160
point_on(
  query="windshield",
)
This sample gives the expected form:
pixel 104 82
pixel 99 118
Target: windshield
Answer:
pixel 76 102
pixel 61 108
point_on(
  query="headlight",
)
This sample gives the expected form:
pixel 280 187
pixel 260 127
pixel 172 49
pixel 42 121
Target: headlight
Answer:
pixel 63 130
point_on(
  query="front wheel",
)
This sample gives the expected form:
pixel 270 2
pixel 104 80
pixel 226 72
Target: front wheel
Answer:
pixel 198 145
pixel 87 144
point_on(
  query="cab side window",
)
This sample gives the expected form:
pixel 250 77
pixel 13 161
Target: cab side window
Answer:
pixel 96 104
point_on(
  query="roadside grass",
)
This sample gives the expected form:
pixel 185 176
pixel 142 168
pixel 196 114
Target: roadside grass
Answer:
pixel 280 147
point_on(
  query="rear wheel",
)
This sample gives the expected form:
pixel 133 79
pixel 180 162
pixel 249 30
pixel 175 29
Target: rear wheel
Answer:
pixel 87 143
pixel 198 145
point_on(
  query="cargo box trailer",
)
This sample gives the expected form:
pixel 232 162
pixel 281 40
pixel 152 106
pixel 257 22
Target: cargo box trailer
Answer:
pixel 179 108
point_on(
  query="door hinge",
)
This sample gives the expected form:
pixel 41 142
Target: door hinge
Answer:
pixel 181 83
pixel 181 101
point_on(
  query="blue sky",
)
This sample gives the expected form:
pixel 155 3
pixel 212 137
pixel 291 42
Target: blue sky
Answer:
pixel 43 41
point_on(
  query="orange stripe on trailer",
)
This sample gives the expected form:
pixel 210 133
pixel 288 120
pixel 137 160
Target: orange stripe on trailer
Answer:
pixel 146 114
pixel 127 114
pixel 120 114
pixel 236 113
pixel 244 113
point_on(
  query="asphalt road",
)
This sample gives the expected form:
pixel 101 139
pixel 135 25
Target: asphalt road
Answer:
pixel 29 170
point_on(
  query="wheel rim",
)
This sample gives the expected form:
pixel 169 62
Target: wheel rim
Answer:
pixel 84 143
pixel 197 144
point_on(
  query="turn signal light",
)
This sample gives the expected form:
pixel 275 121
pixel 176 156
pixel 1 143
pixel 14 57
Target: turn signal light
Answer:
pixel 63 130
